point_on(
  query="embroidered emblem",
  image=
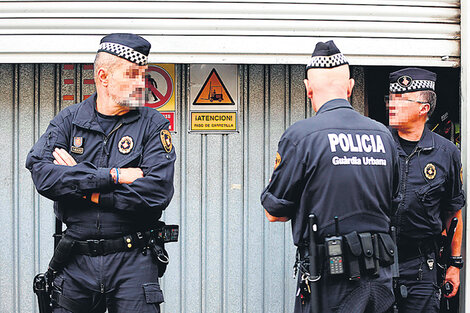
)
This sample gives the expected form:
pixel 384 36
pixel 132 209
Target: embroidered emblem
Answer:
pixel 277 161
pixel 77 145
pixel 126 144
pixel 430 171
pixel 404 81
pixel 165 137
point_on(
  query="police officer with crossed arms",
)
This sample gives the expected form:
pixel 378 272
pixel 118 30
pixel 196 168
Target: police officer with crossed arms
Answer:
pixel 337 163
pixel 108 163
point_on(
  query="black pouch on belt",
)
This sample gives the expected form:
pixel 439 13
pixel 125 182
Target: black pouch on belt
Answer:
pixel 387 249
pixel 353 253
pixel 62 253
pixel 368 249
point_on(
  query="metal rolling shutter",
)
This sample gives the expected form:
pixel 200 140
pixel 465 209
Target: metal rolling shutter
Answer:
pixel 389 32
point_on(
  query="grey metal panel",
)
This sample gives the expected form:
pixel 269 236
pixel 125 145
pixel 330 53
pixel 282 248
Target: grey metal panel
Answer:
pixel 257 32
pixel 230 259
pixel 7 190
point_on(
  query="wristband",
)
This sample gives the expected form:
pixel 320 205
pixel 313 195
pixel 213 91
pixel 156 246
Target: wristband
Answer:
pixel 114 172
pixel 456 261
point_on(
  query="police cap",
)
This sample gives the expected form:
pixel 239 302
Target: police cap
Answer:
pixel 128 46
pixel 412 79
pixel 326 55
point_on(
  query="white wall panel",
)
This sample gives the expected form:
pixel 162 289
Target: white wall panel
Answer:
pixel 248 32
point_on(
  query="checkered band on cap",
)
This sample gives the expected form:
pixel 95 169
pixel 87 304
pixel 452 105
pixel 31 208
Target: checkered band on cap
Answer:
pixel 416 85
pixel 330 61
pixel 124 52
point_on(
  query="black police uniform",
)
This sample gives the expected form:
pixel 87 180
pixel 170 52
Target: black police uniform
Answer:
pixel 124 281
pixel 337 163
pixel 430 187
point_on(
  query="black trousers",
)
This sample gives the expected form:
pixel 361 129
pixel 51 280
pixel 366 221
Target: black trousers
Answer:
pixel 121 282
pixel 340 295
pixel 423 291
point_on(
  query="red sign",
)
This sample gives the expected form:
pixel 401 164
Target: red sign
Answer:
pixel 159 85
pixel 171 117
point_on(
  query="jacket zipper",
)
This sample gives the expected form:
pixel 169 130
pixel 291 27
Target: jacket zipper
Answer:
pixel 105 142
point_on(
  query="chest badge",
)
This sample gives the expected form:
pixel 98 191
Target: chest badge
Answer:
pixel 77 145
pixel 126 144
pixel 165 137
pixel 277 161
pixel 430 171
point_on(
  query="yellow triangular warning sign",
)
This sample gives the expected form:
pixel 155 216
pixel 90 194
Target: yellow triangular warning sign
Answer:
pixel 213 92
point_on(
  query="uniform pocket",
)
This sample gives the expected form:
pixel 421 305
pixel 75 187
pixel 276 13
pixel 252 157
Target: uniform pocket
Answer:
pixel 153 293
pixel 430 194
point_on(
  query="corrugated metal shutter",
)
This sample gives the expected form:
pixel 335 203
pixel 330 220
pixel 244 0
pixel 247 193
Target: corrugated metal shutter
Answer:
pixel 230 258
pixel 389 32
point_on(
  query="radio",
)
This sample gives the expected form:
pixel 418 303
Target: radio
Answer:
pixel 334 252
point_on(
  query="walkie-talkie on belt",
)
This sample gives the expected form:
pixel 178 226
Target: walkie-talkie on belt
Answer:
pixel 334 251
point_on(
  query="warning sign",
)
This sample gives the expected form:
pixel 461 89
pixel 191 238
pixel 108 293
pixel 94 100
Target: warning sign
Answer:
pixel 214 121
pixel 213 92
pixel 213 98
pixel 160 88
pixel 161 85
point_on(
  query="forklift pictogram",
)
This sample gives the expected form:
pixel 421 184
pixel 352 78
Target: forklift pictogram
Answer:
pixel 215 93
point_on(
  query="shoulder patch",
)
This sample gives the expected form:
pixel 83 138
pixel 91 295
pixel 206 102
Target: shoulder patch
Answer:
pixel 277 161
pixel 165 138
pixel 430 171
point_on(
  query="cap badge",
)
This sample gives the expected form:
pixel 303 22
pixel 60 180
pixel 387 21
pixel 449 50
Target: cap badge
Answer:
pixel 430 171
pixel 165 137
pixel 405 81
pixel 125 145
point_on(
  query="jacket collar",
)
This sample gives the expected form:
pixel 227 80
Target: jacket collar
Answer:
pixel 334 104
pixel 426 142
pixel 86 115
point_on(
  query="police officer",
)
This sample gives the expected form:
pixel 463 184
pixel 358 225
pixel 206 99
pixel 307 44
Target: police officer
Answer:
pixel 108 164
pixel 337 163
pixel 430 193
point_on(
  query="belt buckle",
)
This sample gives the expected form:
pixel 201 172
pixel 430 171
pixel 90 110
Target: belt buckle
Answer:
pixel 96 247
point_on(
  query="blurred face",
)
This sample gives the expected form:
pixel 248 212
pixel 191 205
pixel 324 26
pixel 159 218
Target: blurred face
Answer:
pixel 404 110
pixel 127 84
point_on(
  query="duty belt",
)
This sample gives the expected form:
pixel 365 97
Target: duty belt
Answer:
pixel 96 247
pixel 359 251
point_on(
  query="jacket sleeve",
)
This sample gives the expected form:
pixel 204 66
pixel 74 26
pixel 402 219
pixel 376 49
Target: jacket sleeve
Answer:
pixel 455 197
pixel 281 197
pixel 58 181
pixel 155 190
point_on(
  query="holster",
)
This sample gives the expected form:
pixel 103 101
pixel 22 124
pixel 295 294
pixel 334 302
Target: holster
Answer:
pixel 42 289
pixel 62 253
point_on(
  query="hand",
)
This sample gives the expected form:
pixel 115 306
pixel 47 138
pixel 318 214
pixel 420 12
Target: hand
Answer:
pixel 275 218
pixel 62 157
pixel 129 175
pixel 453 277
